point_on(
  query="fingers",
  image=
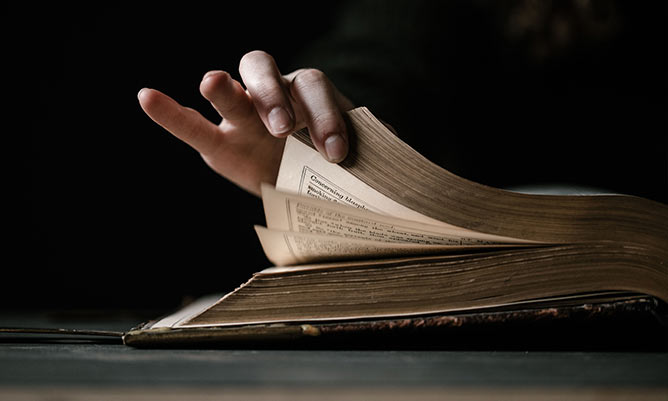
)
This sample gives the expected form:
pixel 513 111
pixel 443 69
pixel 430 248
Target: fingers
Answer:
pixel 184 123
pixel 320 106
pixel 227 97
pixel 283 104
pixel 264 83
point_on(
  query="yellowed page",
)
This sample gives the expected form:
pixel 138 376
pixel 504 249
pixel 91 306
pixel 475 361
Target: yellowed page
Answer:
pixel 290 212
pixel 305 172
pixel 284 248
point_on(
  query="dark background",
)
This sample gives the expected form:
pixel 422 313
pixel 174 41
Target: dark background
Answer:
pixel 121 214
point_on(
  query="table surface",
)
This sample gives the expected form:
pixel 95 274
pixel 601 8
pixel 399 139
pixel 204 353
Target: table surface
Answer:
pixel 32 368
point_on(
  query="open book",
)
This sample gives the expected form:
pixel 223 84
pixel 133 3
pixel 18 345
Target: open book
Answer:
pixel 387 236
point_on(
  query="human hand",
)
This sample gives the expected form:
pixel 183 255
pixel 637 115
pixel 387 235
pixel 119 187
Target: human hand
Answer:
pixel 246 147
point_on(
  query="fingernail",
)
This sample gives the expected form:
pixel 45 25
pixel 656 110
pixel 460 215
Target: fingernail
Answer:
pixel 279 121
pixel 139 93
pixel 336 148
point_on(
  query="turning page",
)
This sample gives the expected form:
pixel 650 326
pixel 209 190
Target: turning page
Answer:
pixel 306 230
pixel 305 172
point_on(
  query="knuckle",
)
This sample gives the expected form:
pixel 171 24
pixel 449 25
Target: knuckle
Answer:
pixel 327 122
pixel 266 91
pixel 309 77
pixel 238 109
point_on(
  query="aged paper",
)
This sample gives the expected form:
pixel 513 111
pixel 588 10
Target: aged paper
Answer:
pixel 289 212
pixel 284 248
pixel 320 212
pixel 305 172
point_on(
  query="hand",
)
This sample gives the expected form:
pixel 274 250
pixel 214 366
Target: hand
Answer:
pixel 246 147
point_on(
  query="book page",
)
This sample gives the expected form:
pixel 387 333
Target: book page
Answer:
pixel 305 172
pixel 289 212
pixel 284 248
pixel 186 313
